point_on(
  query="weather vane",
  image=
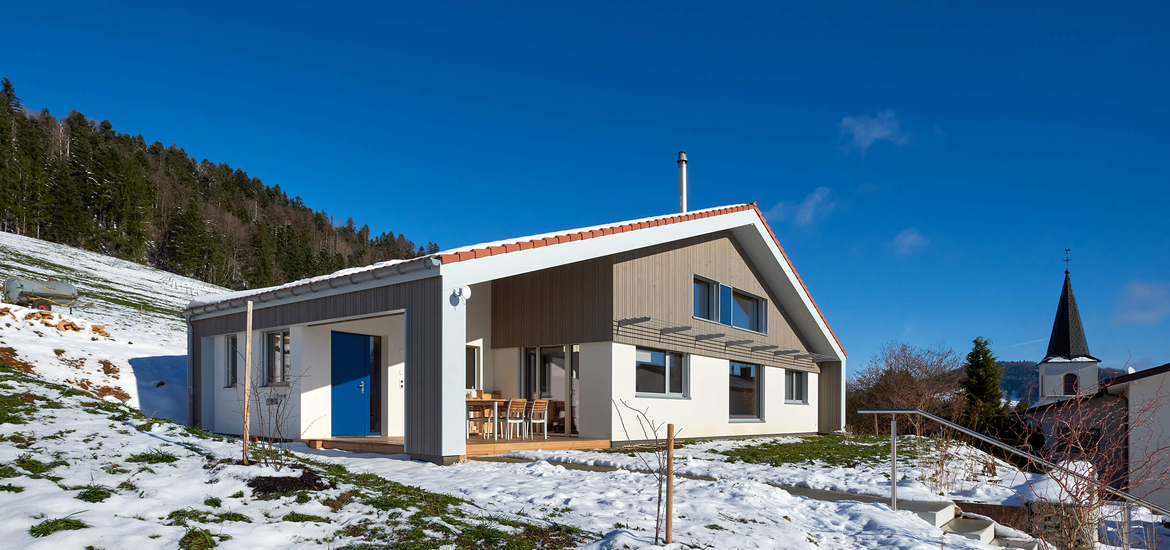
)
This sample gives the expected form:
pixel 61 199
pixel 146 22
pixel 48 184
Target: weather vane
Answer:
pixel 1066 260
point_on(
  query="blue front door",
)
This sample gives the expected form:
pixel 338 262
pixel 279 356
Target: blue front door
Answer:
pixel 355 358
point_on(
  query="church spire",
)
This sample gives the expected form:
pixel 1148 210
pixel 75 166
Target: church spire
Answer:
pixel 1068 335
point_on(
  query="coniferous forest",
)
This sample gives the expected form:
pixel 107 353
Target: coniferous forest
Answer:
pixel 78 182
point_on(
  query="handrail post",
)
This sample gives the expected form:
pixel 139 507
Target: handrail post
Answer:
pixel 894 461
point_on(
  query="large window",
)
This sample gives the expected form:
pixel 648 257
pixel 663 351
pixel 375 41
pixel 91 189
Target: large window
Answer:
pixel 795 386
pixel 747 312
pixel 660 373
pixel 745 391
pixel 1070 384
pixel 704 302
pixel 231 363
pixel 278 360
pixel 728 306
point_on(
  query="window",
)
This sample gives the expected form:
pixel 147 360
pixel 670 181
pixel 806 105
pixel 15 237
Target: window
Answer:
pixel 795 386
pixel 1070 384
pixel 472 364
pixel 231 363
pixel 727 306
pixel 704 299
pixel 659 373
pixel 745 391
pixel 277 356
pixel 747 312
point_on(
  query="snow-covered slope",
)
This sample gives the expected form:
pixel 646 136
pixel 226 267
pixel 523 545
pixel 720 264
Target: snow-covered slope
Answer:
pixel 143 360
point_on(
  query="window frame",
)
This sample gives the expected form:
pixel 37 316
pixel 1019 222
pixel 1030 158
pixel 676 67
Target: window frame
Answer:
pixel 269 374
pixel 716 291
pixel 231 364
pixel 1076 383
pixel 759 394
pixel 684 363
pixel 789 374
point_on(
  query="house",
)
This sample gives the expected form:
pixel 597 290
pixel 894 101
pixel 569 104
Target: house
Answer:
pixel 698 316
pixel 1120 424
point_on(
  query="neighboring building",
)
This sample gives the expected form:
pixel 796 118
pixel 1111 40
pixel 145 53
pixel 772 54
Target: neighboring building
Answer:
pixel 1067 369
pixel 698 316
pixel 1128 416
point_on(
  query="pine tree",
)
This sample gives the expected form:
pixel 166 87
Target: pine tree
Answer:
pixel 188 242
pixel 985 409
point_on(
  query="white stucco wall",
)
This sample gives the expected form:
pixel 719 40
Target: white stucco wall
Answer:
pixel 228 402
pixel 704 412
pixel 1149 404
pixel 479 332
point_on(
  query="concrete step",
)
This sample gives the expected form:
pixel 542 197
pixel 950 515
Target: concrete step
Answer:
pixel 982 530
pixel 935 513
pixel 1010 543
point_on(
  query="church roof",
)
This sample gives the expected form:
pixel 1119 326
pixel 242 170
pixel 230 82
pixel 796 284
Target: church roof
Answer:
pixel 1068 335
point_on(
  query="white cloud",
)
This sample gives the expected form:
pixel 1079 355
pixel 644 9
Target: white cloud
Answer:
pixel 1143 303
pixel 908 241
pixel 864 130
pixel 808 212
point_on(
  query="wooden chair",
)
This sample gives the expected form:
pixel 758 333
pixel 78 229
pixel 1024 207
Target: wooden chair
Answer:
pixel 514 416
pixel 538 415
pixel 476 414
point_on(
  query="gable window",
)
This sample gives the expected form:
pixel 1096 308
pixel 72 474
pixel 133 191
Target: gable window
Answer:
pixel 795 386
pixel 744 385
pixel 231 362
pixel 278 360
pixel 659 373
pixel 704 302
pixel 1070 384
pixel 747 312
pixel 729 306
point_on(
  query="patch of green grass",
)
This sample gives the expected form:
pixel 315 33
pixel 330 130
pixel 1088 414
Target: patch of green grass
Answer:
pixel 197 539
pixel 303 497
pixel 11 488
pixel 716 527
pixel 8 471
pixel 213 502
pixel 300 518
pixel 183 515
pixel 831 450
pixel 233 516
pixel 94 493
pixel 50 526
pixel 153 456
pixel 36 467
pixel 237 494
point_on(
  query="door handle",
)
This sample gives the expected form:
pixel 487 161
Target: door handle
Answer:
pixel 362 385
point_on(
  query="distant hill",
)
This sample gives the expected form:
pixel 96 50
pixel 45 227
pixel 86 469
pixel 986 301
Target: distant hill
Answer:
pixel 76 181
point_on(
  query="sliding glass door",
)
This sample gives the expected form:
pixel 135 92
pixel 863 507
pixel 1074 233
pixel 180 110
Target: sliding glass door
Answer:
pixel 550 373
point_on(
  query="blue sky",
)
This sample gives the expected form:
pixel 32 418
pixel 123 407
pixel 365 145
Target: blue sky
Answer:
pixel 924 165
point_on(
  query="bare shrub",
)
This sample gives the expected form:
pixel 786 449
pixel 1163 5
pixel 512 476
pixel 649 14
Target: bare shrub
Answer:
pixel 651 431
pixel 903 376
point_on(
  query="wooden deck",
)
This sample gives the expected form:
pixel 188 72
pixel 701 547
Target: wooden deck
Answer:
pixel 475 445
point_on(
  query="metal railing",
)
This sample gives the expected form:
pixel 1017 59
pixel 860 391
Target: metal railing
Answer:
pixel 996 443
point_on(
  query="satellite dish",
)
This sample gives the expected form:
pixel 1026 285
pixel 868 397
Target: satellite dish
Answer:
pixel 465 292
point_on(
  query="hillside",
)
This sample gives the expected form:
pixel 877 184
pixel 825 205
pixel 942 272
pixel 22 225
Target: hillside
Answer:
pixel 77 181
pixel 138 307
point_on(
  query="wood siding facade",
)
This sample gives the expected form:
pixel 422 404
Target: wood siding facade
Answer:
pixel 421 299
pixel 658 281
pixel 568 304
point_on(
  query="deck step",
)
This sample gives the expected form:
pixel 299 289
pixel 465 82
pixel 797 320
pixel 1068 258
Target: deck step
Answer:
pixel 982 530
pixel 936 513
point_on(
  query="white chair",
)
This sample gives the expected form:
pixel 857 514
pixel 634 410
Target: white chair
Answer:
pixel 514 416
pixel 538 414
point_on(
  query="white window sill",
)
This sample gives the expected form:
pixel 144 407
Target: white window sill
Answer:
pixel 746 420
pixel 787 402
pixel 662 396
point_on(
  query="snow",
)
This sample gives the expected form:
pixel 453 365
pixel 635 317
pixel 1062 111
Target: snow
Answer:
pixel 1066 485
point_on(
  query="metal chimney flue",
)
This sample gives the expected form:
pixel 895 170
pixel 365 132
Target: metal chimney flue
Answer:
pixel 682 182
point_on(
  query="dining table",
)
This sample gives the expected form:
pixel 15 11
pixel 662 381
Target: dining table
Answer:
pixel 484 403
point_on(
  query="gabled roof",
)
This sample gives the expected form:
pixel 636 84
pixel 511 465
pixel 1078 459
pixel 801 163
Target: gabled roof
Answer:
pixel 472 252
pixel 1068 336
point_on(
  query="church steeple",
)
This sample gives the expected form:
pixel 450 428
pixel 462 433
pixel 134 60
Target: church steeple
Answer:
pixel 1068 336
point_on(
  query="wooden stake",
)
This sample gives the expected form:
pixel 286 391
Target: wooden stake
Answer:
pixel 247 381
pixel 669 481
